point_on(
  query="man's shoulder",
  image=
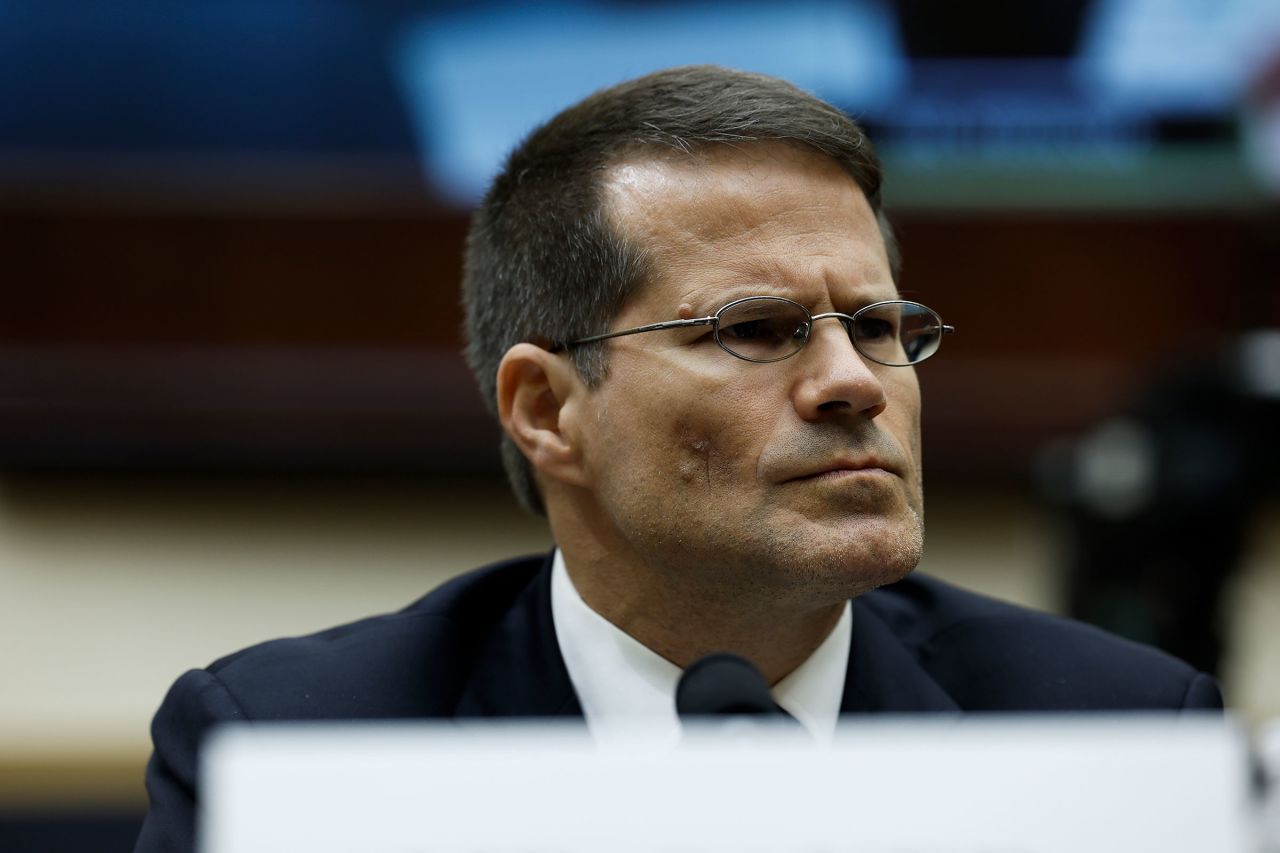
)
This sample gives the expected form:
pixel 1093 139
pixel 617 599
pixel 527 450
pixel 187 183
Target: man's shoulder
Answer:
pixel 920 607
pixel 412 662
pixel 992 655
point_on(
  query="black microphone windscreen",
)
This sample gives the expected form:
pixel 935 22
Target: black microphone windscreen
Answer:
pixel 723 683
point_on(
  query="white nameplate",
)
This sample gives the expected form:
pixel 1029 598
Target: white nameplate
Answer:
pixel 1135 784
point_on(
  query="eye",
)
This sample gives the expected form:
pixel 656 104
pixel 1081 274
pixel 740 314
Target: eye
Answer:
pixel 747 330
pixel 870 328
pixel 763 328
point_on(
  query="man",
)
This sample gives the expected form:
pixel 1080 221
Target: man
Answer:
pixel 681 306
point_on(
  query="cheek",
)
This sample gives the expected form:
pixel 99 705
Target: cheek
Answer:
pixel 903 420
pixel 711 443
pixel 704 451
pixel 668 424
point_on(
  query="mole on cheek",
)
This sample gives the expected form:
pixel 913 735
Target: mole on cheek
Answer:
pixel 686 311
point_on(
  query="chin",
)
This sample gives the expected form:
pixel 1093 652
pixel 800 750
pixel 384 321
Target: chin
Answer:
pixel 856 557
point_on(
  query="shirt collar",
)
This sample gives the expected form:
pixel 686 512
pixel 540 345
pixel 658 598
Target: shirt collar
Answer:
pixel 621 683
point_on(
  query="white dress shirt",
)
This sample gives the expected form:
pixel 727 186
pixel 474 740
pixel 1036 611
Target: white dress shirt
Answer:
pixel 622 684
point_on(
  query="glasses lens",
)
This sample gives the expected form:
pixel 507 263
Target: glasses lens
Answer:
pixel 896 333
pixel 762 328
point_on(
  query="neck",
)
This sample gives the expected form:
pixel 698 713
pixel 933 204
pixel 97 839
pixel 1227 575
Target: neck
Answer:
pixel 683 615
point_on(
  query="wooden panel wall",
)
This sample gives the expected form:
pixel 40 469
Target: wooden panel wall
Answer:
pixel 222 339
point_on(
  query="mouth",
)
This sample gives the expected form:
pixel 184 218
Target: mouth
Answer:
pixel 841 469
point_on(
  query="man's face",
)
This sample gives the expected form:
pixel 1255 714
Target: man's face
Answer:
pixel 795 480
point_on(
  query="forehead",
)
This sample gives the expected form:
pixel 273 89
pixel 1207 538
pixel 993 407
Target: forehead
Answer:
pixel 764 218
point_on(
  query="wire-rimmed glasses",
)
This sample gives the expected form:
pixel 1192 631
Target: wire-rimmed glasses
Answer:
pixel 762 329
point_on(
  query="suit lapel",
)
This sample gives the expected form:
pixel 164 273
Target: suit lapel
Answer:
pixel 883 675
pixel 519 671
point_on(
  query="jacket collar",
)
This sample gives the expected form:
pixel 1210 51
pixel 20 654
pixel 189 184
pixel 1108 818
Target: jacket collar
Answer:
pixel 519 671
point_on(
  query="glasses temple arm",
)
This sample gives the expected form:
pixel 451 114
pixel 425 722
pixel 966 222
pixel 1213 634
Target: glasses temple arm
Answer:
pixel 652 327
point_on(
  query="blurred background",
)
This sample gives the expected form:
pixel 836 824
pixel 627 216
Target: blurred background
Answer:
pixel 232 404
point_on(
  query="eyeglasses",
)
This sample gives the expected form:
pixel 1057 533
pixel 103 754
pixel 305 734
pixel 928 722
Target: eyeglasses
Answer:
pixel 762 329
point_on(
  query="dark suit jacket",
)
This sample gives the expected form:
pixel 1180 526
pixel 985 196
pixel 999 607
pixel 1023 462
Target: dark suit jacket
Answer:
pixel 483 645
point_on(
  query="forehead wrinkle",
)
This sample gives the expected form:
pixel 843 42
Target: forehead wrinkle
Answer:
pixel 814 282
pixel 812 266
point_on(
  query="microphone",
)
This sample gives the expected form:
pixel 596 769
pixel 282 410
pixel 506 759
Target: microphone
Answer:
pixel 724 684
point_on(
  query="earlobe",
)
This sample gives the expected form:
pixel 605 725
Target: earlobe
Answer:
pixel 537 394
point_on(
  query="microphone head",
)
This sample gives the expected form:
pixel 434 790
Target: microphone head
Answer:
pixel 721 684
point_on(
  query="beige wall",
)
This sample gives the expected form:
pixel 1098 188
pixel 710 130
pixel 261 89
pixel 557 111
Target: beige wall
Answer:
pixel 109 589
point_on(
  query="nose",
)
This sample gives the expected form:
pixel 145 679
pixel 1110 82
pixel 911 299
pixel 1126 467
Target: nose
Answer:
pixel 837 381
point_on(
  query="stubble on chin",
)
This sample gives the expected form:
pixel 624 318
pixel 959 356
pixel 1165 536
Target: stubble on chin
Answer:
pixel 850 554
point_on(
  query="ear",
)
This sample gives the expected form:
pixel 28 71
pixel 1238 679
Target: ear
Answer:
pixel 538 394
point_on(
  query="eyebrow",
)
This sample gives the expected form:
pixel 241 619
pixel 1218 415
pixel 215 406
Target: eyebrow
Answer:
pixel 708 307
